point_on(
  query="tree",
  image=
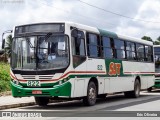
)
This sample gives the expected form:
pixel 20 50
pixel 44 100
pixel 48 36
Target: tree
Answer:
pixel 8 45
pixel 157 42
pixel 147 38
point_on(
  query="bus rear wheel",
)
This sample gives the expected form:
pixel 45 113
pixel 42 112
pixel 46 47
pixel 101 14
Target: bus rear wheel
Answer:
pixel 41 101
pixel 136 92
pixel 91 97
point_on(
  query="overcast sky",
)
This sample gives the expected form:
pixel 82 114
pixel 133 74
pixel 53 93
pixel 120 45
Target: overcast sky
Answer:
pixel 16 12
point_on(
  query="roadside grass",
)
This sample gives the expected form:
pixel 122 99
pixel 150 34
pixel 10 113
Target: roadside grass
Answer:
pixel 4 77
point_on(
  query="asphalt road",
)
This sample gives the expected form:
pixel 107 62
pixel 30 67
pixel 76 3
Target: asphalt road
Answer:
pixel 114 107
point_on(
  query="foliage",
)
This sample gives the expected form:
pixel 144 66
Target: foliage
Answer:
pixel 157 42
pixel 4 77
pixel 147 38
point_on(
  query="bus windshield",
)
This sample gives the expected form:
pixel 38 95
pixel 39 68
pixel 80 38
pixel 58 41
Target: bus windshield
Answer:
pixel 39 52
pixel 157 59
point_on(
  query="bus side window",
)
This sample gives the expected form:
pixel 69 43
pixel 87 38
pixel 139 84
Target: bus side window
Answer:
pixel 148 53
pixel 106 46
pixel 120 48
pixel 130 50
pixel 78 49
pixel 93 44
pixel 140 52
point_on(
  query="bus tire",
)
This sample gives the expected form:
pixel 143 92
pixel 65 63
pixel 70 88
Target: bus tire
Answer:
pixel 136 92
pixel 41 101
pixel 91 97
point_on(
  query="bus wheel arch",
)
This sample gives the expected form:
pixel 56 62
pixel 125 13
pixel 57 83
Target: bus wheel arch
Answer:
pixel 135 93
pixel 92 92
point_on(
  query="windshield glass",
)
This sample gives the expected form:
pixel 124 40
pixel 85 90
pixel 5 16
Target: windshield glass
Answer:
pixel 53 52
pixel 40 52
pixel 157 58
pixel 24 53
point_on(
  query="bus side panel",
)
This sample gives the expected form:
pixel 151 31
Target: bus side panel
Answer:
pixel 144 70
pixel 118 81
pixel 120 84
pixel 79 79
pixel 96 68
pixel 151 81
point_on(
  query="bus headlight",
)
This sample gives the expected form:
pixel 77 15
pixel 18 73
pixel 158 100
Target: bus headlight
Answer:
pixel 16 82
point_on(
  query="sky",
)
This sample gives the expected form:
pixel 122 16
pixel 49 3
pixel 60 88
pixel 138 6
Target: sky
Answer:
pixel 143 15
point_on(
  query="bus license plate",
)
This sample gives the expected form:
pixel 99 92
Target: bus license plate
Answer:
pixel 33 83
pixel 36 92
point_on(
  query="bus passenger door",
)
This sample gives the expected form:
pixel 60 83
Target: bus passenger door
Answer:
pixel 78 61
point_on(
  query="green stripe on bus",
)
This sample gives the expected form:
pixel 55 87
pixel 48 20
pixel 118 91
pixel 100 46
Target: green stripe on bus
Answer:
pixel 84 76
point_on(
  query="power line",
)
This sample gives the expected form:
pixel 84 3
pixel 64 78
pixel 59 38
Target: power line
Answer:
pixel 116 13
pixel 79 15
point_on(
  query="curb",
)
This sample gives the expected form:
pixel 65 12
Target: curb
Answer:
pixel 16 105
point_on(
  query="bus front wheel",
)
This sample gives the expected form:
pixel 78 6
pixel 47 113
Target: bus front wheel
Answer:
pixel 91 97
pixel 41 101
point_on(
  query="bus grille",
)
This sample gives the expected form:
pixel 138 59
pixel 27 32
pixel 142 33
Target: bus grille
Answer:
pixel 37 77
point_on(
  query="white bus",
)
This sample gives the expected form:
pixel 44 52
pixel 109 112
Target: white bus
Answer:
pixel 72 61
pixel 157 67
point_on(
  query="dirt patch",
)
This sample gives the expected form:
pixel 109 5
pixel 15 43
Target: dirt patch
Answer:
pixel 7 93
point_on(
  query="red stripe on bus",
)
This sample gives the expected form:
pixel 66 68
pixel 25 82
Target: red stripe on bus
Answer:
pixel 13 76
pixel 66 75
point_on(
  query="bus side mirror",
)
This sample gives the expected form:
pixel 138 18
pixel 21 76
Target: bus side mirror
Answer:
pixel 3 43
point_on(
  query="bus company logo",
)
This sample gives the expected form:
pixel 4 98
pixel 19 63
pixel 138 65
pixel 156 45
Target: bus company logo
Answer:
pixel 114 68
pixel 6 114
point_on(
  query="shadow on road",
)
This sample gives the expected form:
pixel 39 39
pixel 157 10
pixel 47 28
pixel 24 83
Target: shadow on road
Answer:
pixel 153 91
pixel 76 104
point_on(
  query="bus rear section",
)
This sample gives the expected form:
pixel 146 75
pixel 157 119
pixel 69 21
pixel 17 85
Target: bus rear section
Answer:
pixel 157 67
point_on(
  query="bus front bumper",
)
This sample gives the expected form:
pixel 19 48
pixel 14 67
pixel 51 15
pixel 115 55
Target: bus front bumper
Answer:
pixel 60 90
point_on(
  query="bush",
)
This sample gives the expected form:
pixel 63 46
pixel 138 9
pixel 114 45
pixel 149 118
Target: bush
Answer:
pixel 4 77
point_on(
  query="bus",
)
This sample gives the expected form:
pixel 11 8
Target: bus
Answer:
pixel 67 60
pixel 157 67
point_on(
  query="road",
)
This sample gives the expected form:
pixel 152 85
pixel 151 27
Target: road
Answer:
pixel 113 105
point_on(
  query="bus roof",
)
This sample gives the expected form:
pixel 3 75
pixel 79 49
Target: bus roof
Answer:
pixel 109 33
pixel 156 45
pixel 99 31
